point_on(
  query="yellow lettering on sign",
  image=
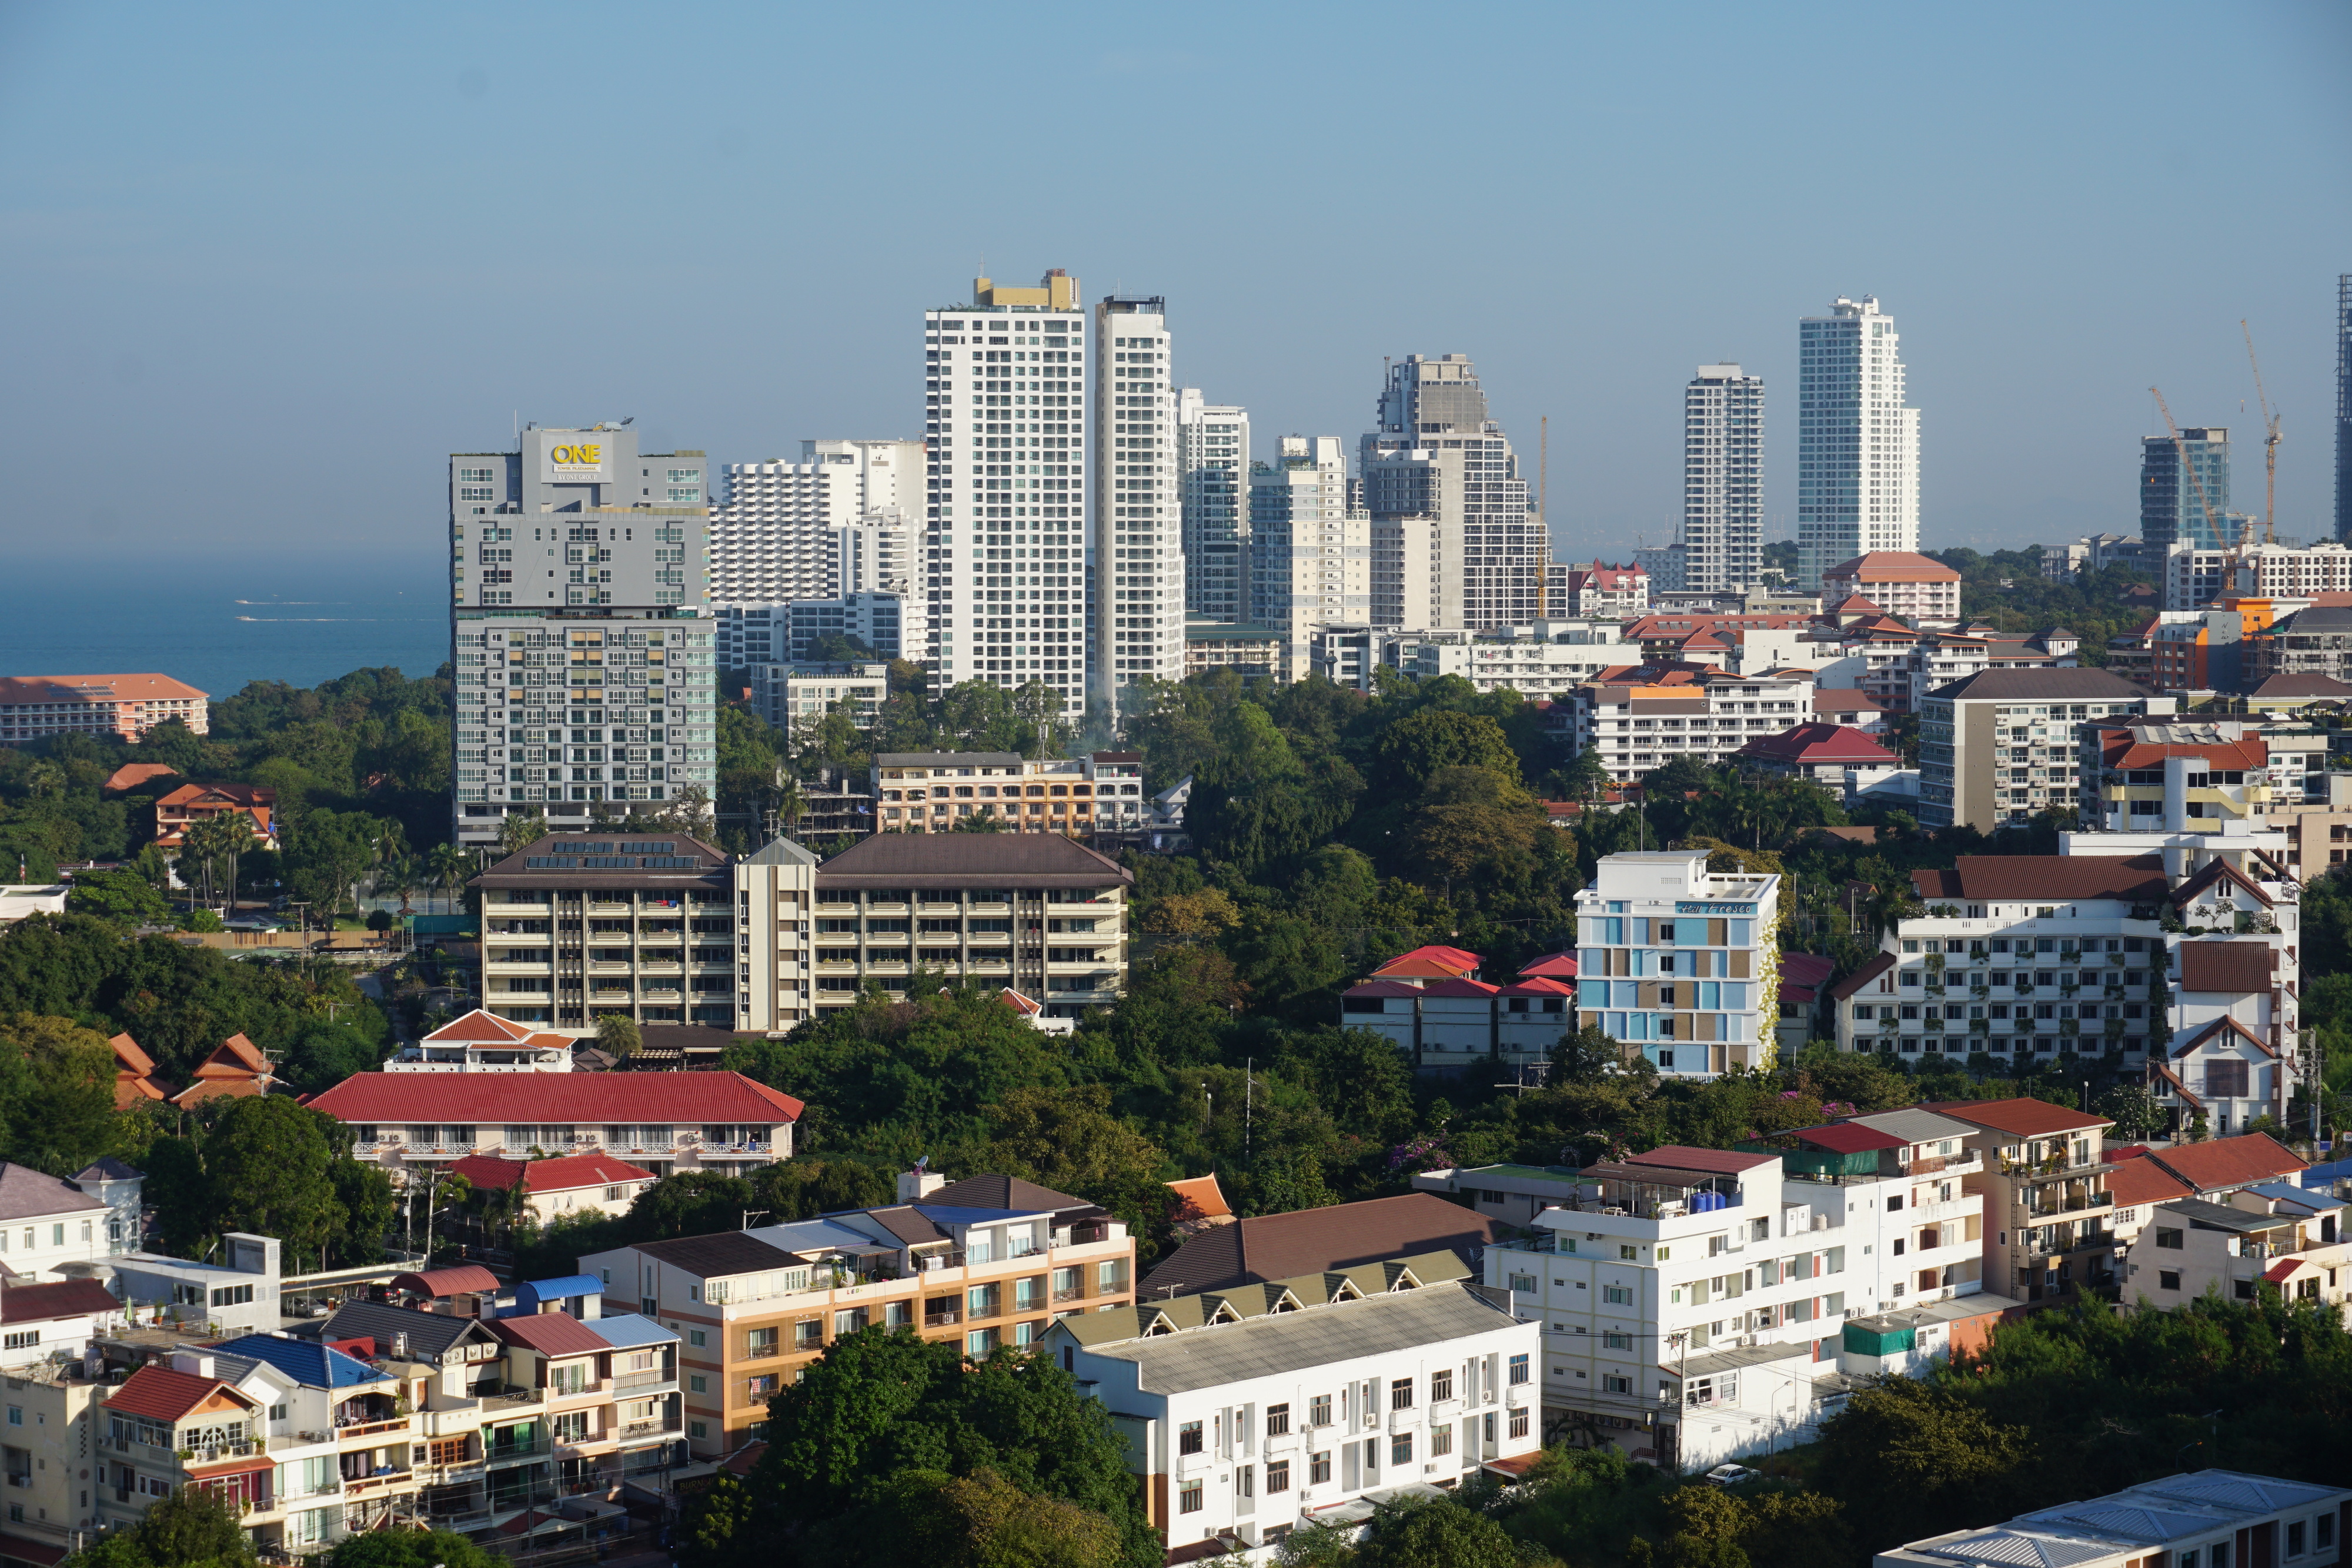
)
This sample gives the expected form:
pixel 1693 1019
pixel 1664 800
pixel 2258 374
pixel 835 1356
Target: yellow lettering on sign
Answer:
pixel 590 454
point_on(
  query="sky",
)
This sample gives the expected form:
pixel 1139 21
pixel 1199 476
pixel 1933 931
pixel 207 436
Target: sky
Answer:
pixel 265 267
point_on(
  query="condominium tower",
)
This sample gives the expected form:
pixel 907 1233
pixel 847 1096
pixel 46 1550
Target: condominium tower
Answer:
pixel 782 530
pixel 1310 557
pixel 1213 463
pixel 1723 479
pixel 1005 540
pixel 2344 406
pixel 1138 564
pixel 1436 455
pixel 1857 443
pixel 2184 490
pixel 580 630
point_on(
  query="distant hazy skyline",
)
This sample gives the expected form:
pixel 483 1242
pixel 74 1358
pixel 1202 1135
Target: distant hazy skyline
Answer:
pixel 266 265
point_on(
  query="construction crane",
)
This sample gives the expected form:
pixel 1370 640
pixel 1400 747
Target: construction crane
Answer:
pixel 2212 523
pixel 2270 441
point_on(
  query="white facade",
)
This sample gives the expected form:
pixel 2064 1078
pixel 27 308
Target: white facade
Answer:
pixel 1389 1384
pixel 1438 456
pixel 2194 578
pixel 1723 479
pixel 1212 464
pixel 1857 444
pixel 1679 963
pixel 786 695
pixel 1310 557
pixel 1006 541
pixel 1548 657
pixel 1638 728
pixel 1139 563
pixel 1405 571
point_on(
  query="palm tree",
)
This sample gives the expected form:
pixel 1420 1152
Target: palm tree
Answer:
pixel 445 866
pixel 236 838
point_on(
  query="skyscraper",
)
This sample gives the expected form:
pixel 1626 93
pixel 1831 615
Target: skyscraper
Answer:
pixel 579 630
pixel 1857 444
pixel 776 534
pixel 2189 506
pixel 1723 477
pixel 1138 557
pixel 1310 557
pixel 1437 455
pixel 1213 462
pixel 2344 406
pixel 1005 540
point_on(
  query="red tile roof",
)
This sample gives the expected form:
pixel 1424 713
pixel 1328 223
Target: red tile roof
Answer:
pixel 2226 1163
pixel 2135 879
pixel 484 1097
pixel 1862 976
pixel 550 1333
pixel 163 1395
pixel 1848 1138
pixel 1198 1198
pixel 436 1283
pixel 1684 1157
pixel 492 1174
pixel 2135 1182
pixel 1430 961
pixel 1459 988
pixel 65 1299
pixel 1820 745
pixel 479 1028
pixel 2023 1118
pixel 1541 986
pixel 1551 966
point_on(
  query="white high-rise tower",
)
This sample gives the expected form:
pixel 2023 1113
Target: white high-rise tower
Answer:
pixel 1723 477
pixel 1212 460
pixel 1438 456
pixel 1005 538
pixel 1857 444
pixel 1138 564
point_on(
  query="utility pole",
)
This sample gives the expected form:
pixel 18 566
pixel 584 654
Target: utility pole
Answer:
pixel 1249 1102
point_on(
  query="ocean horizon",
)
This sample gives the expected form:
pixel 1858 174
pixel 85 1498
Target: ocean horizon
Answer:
pixel 219 623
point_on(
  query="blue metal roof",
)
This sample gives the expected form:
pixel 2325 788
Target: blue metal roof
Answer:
pixel 531 1294
pixel 629 1331
pixel 313 1365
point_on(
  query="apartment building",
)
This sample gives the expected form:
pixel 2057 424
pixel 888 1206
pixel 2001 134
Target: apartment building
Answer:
pixel 1256 653
pixel 790 695
pixel 2001 746
pixel 1212 465
pixel 1721 535
pixel 2200 1519
pixel 1643 716
pixel 1259 1248
pixel 2316 641
pixel 2048 1216
pixel 1138 581
pixel 1923 591
pixel 1678 963
pixel 2168 774
pixel 1540 659
pixel 1440 475
pixel 1038 912
pixel 1857 440
pixel 32 707
pixel 2275 1234
pixel 982 1263
pixel 1310 556
pixel 1253 1411
pixel 1694 1301
pixel 1613 592
pixel 48 1222
pixel 2195 576
pixel 845 517
pixel 748 636
pixel 927 791
pixel 413 1123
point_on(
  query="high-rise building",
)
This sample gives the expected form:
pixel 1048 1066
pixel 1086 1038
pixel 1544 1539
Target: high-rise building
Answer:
pixel 1006 541
pixel 1437 455
pixel 775 535
pixel 1723 479
pixel 1139 566
pixel 2344 406
pixel 1212 464
pixel 1310 557
pixel 1405 567
pixel 2184 490
pixel 1857 443
pixel 580 629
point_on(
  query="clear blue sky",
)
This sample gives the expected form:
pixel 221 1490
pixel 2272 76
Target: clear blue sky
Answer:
pixel 266 265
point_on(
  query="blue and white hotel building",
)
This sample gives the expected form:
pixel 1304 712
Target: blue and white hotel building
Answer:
pixel 1678 963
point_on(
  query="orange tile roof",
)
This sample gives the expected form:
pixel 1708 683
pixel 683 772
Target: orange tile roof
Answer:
pixel 135 688
pixel 131 775
pixel 205 1089
pixel 235 1054
pixel 161 1394
pixel 1892 565
pixel 128 1057
pixel 2225 1164
pixel 130 1090
pixel 1198 1198
pixel 479 1025
pixel 228 794
pixel 2142 1181
pixel 2021 1117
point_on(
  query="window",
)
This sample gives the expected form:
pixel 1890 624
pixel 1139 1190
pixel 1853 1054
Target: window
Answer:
pixel 1518 1369
pixel 1188 1438
pixel 1524 1283
pixel 1441 1440
pixel 1519 1422
pixel 693 1337
pixel 1617 1295
pixel 979 1344
pixel 758 1342
pixel 1400 1394
pixel 2294 1537
pixel 1617 1341
pixel 25 1339
pixel 1400 1448
pixel 2168 1279
pixel 1277 1420
pixel 1440 1385
pixel 572 1378
pixel 1277 1476
pixel 1188 1497
pixel 1318 1469
pixel 696 1383
pixel 2167 1238
pixel 1616 1384
pixel 1319 1410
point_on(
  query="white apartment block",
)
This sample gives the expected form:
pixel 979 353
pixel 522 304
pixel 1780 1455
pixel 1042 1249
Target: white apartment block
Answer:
pixel 1694 1301
pixel 1857 444
pixel 1140 562
pixel 1547 658
pixel 789 694
pixel 1406 570
pixel 1212 465
pixel 1438 456
pixel 1723 479
pixel 1679 964
pixel 1005 540
pixel 778 535
pixel 1923 591
pixel 1253 1410
pixel 2001 746
pixel 1640 727
pixel 2194 577
pixel 1310 557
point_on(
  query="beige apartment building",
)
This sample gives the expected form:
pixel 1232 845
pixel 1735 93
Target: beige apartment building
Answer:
pixel 982 1264
pixel 2049 1222
pixel 928 791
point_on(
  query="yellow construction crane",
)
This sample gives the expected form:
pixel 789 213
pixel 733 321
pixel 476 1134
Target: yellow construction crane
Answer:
pixel 2269 441
pixel 2180 450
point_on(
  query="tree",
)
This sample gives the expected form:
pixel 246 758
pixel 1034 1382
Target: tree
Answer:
pixel 1909 1451
pixel 618 1034
pixel 410 1549
pixel 329 853
pixel 1417 1532
pixel 2135 1112
pixel 56 1094
pixel 195 1527
pixel 124 897
pixel 982 1520
pixel 1585 1055
pixel 1067 1139
pixel 268 1167
pixel 1411 750
pixel 1207 913
pixel 689 1203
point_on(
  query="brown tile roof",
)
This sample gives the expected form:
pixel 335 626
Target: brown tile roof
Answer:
pixel 955 859
pixel 2043 686
pixel 2023 1118
pixel 587 1097
pixel 550 1333
pixel 1862 976
pixel 205 1089
pixel 727 1252
pixel 2135 879
pixel 138 688
pixel 2285 687
pixel 2213 1033
pixel 163 1395
pixel 2226 1163
pixel 1818 745
pixel 1892 566
pixel 65 1299
pixel 1686 1157
pixel 2142 1180
pixel 2226 966
pixel 1001 1191
pixel 2213 871
pixel 1318 1240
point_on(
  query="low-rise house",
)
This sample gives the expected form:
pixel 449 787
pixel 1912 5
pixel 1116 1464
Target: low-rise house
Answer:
pixel 203 1299
pixel 169 1426
pixel 234 1070
pixel 2203 1518
pixel 2275 1234
pixel 982 1263
pixel 46 1223
pixel 1822 752
pixel 1320 1240
pixel 482 1042
pixel 20 901
pixel 189 804
pixel 135 1074
pixel 1250 1411
pixel 542 1190
pixel 660 1122
pixel 2140 1178
pixel 1430 1004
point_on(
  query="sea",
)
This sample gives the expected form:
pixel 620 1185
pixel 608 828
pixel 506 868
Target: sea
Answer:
pixel 220 621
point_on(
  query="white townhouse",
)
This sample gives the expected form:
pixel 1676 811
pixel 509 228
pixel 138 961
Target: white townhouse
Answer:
pixel 1251 1410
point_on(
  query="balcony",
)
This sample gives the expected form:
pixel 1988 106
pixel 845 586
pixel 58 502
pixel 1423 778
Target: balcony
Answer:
pixel 639 1431
pixel 367 1485
pixel 510 1397
pixel 508 1453
pixel 629 1380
